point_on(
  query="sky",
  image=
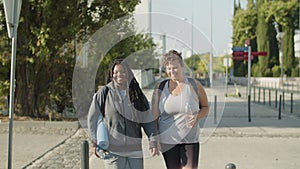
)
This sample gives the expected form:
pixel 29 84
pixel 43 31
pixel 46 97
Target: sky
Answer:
pixel 195 14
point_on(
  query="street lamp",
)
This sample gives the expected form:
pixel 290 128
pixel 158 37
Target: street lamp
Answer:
pixel 150 17
pixel 193 66
pixel 164 44
pixel 192 40
pixel 211 50
pixel 279 37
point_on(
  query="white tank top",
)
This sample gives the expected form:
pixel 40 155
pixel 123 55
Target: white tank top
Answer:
pixel 172 124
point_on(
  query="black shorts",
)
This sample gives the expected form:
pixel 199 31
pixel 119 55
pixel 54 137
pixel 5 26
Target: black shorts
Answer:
pixel 181 155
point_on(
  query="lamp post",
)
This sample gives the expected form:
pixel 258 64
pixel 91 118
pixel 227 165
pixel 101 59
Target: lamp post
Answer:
pixel 150 17
pixel 192 40
pixel 279 37
pixel 211 50
pixel 164 44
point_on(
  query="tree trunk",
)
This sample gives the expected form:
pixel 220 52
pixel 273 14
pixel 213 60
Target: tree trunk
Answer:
pixel 22 99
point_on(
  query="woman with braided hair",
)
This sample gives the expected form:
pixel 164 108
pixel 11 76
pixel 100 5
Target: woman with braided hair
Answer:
pixel 126 112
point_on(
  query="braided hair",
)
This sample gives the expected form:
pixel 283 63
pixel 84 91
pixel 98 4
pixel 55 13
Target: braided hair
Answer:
pixel 136 95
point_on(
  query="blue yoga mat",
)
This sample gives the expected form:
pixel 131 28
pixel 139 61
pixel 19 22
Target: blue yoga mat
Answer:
pixel 102 135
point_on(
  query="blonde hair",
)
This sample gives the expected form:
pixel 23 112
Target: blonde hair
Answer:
pixel 171 56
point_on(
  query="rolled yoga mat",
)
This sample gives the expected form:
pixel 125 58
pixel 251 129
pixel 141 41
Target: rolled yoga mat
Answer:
pixel 102 135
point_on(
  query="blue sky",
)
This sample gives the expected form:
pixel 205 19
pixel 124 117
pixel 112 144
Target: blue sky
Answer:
pixel 222 12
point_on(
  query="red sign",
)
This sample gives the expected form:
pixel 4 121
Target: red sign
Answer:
pixel 252 53
pixel 242 57
pixel 259 53
pixel 239 53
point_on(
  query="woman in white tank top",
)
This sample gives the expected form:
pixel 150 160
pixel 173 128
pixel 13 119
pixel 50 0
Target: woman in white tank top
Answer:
pixel 178 111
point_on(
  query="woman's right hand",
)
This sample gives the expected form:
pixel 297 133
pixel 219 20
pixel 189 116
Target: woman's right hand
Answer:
pixel 95 149
pixel 95 152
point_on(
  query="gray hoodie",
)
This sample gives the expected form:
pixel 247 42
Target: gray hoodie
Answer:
pixel 123 121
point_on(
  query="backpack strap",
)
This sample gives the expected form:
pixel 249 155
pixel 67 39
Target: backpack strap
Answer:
pixel 102 108
pixel 193 83
pixel 162 85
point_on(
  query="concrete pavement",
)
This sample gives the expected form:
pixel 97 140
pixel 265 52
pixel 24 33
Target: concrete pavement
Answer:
pixel 32 140
pixel 265 142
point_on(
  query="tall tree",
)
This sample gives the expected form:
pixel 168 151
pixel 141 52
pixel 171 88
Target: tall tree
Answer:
pixel 46 54
pixel 236 6
pixel 45 26
pixel 285 14
pixel 243 23
pixel 263 42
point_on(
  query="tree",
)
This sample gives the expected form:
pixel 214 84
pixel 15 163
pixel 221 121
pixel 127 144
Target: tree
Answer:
pixel 193 60
pixel 243 23
pixel 48 34
pixel 143 59
pixel 285 14
pixel 263 43
pixel 45 30
pixel 266 41
pixel 272 16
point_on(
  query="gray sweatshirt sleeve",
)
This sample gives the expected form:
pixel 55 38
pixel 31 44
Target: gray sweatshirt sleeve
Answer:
pixel 93 114
pixel 150 128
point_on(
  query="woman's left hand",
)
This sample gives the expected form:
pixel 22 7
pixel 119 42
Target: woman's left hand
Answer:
pixel 190 120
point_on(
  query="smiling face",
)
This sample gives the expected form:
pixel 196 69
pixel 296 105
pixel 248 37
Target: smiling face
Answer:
pixel 174 70
pixel 119 75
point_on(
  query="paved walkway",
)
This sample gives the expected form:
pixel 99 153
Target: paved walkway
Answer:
pixel 265 142
pixel 33 140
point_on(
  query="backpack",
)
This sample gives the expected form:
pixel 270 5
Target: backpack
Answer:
pixel 103 101
pixel 191 80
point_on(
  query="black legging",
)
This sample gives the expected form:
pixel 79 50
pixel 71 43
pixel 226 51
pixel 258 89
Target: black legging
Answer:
pixel 181 155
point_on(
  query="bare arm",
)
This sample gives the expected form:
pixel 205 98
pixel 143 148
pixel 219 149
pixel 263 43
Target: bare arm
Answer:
pixel 202 101
pixel 156 112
